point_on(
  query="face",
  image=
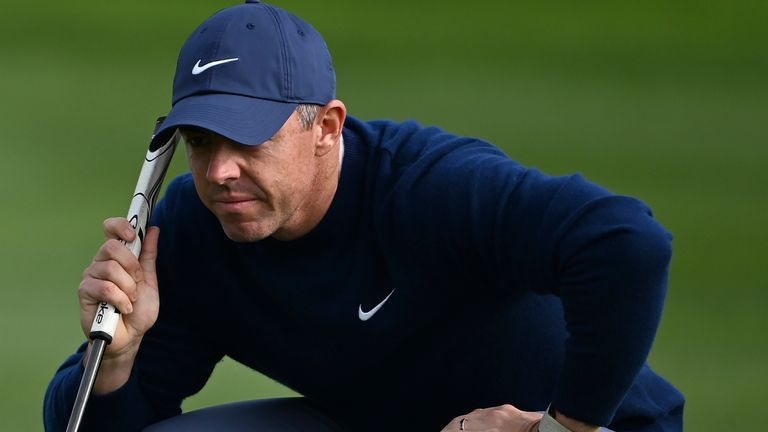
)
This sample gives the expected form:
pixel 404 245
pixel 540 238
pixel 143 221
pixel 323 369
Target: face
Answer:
pixel 254 191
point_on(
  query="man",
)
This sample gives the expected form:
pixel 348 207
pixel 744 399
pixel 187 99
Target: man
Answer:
pixel 398 277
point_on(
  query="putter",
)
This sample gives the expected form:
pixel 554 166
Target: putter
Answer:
pixel 139 213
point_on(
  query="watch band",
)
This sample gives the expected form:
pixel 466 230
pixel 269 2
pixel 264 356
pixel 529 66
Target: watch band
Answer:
pixel 549 424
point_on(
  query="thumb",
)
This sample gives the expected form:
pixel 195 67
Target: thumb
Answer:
pixel 149 254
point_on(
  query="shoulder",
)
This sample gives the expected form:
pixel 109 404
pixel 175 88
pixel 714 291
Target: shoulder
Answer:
pixel 408 142
pixel 427 173
pixel 423 161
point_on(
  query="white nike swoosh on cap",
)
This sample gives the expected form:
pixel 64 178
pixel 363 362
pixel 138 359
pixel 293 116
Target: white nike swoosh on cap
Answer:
pixel 198 69
pixel 365 316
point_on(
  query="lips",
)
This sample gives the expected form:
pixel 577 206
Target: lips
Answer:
pixel 233 203
pixel 240 207
pixel 233 200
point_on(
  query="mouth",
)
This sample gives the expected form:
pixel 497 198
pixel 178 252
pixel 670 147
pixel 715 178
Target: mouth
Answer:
pixel 233 204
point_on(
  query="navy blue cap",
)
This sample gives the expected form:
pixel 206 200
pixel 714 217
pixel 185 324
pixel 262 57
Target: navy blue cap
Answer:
pixel 244 70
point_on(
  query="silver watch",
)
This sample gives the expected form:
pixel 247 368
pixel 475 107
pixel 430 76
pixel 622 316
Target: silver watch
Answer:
pixel 549 424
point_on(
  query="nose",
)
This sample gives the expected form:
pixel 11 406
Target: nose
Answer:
pixel 223 165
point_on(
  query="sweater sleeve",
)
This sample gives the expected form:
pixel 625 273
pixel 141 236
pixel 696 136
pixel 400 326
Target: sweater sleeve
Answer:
pixel 61 392
pixel 608 261
pixel 124 409
pixel 174 360
pixel 515 228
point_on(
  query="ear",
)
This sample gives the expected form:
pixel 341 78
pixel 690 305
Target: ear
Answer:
pixel 329 123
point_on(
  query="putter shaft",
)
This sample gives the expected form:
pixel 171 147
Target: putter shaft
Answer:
pixel 107 317
pixel 86 384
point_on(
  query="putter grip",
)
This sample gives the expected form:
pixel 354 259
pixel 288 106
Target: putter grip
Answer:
pixel 139 213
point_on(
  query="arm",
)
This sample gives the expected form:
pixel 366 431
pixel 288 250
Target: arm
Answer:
pixel 609 260
pixel 603 255
pixel 115 275
pixel 510 419
pixel 171 365
pixel 144 378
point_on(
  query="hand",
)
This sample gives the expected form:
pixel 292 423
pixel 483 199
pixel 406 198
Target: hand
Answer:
pixel 505 418
pixel 118 277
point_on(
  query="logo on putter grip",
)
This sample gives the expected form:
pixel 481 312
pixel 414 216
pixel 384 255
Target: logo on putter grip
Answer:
pixel 103 307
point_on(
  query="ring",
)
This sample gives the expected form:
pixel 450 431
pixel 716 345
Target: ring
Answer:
pixel 461 424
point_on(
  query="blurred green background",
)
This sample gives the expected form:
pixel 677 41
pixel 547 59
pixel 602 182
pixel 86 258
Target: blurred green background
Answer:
pixel 667 101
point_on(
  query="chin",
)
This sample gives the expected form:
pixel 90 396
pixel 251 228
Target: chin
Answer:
pixel 245 234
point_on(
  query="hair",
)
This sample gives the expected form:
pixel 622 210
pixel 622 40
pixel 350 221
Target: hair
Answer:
pixel 307 114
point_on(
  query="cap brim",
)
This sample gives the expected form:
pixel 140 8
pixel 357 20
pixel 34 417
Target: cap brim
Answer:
pixel 243 119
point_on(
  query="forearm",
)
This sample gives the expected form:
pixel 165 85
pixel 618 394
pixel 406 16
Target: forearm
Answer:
pixel 612 284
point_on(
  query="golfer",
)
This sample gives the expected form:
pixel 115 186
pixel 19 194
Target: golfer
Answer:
pixel 398 277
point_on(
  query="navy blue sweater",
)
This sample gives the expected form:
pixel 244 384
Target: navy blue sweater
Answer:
pixel 508 286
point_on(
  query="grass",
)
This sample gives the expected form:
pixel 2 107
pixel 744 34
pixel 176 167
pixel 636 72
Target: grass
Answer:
pixel 664 101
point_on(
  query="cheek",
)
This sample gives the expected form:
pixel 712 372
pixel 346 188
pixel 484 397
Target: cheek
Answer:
pixel 304 170
pixel 296 172
pixel 198 175
pixel 288 185
pixel 196 162
pixel 285 183
pixel 198 168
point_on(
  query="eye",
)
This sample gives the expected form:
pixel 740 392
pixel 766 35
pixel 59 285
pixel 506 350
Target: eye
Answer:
pixel 196 140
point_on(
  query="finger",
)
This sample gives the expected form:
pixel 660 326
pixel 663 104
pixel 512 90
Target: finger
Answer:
pixel 93 291
pixel 508 411
pixel 115 250
pixel 508 417
pixel 111 271
pixel 505 417
pixel 148 256
pixel 118 228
